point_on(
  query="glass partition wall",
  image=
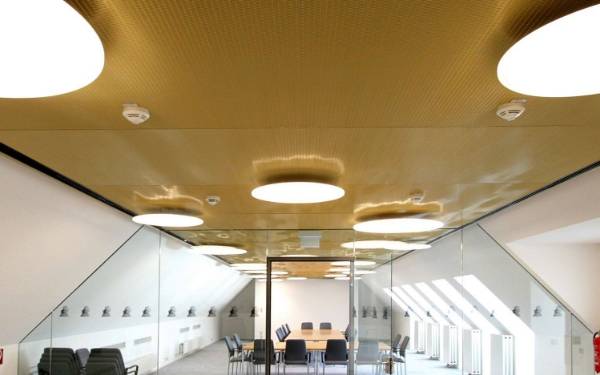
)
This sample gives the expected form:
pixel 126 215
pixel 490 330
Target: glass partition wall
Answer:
pixel 463 306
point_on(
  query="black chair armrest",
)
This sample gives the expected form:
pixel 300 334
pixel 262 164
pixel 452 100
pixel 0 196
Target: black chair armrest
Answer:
pixel 132 369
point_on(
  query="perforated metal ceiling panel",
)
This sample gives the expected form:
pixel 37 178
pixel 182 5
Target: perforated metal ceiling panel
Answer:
pixel 384 97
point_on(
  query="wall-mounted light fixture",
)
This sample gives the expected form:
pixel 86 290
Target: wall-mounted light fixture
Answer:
pixel 516 310
pixel 492 313
pixel 106 312
pixel 126 312
pixel 365 312
pixel 85 312
pixel 212 312
pixel 253 312
pixel 147 312
pixel 537 312
pixel 233 312
pixel 557 312
pixel 191 312
pixel 374 313
pixel 385 313
pixel 406 314
pixel 172 312
pixel 64 312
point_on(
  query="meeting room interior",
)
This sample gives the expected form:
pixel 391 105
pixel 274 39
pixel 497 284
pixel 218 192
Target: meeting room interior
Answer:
pixel 344 187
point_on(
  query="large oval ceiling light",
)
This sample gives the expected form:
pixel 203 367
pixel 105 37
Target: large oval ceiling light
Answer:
pixel 249 266
pixel 47 49
pixel 356 263
pixel 298 192
pixel 559 59
pixel 168 220
pixel 218 250
pixel 398 225
pixel 385 244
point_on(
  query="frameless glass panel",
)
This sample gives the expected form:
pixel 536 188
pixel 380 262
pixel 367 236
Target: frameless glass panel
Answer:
pixel 113 316
pixel 31 348
pixel 582 350
pixel 527 329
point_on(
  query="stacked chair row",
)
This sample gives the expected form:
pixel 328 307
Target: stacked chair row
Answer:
pixel 101 361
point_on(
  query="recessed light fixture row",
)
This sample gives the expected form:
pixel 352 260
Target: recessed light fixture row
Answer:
pixel 385 244
pixel 298 192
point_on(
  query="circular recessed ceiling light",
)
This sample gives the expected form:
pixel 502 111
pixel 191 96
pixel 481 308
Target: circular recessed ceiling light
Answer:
pixel 332 275
pixel 361 272
pixel 298 192
pixel 218 250
pixel 398 225
pixel 356 263
pixel 296 278
pixel 346 278
pixel 168 220
pixel 385 244
pixel 279 272
pixel 249 266
pixel 48 49
pixel 299 255
pixel 559 59
pixel 256 271
pixel 339 269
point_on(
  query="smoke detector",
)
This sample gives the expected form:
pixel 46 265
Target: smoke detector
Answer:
pixel 512 110
pixel 213 200
pixel 135 114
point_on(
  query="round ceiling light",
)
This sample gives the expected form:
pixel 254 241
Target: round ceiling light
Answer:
pixel 48 49
pixel 398 225
pixel 296 278
pixel 560 59
pixel 356 263
pixel 299 256
pixel 218 250
pixel 298 192
pixel 168 220
pixel 333 275
pixel 339 269
pixel 361 272
pixel 385 244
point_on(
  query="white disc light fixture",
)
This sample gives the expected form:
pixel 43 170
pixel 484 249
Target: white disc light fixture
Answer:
pixel 298 192
pixel 48 49
pixel 385 244
pixel 218 250
pixel 560 59
pixel 356 263
pixel 398 225
pixel 168 220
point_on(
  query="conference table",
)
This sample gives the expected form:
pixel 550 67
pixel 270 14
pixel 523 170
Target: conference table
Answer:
pixel 316 342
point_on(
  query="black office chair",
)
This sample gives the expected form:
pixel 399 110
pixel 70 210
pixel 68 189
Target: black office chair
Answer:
pixel 347 332
pixel 296 354
pixel 287 328
pixel 82 356
pixel 399 355
pixel 238 343
pixel 306 325
pixel 58 361
pixel 108 361
pixel 280 335
pixel 396 343
pixel 259 355
pixel 368 354
pixel 325 325
pixel 336 353
pixel 235 356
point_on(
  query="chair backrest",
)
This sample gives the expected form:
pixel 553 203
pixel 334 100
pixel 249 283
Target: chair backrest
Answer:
pixel 368 351
pixel 396 343
pixel 306 325
pixel 403 346
pixel 287 328
pixel 58 361
pixel 325 325
pixel 295 350
pixel 259 354
pixel 105 361
pixel 336 350
pixel 237 341
pixel 280 334
pixel 82 356
pixel 230 345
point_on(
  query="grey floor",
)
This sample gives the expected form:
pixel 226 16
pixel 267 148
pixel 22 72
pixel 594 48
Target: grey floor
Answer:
pixel 212 360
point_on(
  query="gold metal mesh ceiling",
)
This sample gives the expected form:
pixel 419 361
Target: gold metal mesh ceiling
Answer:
pixel 385 97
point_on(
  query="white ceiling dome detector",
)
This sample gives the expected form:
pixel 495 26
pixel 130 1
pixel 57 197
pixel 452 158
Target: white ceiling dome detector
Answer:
pixel 560 59
pixel 398 225
pixel 48 49
pixel 218 250
pixel 169 220
pixel 298 192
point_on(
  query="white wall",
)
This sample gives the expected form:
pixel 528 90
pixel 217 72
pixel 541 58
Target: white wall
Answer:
pixel 555 235
pixel 294 302
pixel 52 238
